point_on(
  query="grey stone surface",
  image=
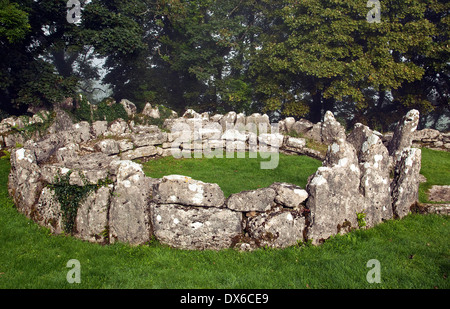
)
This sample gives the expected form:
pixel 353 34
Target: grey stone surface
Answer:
pixel 129 217
pixel 195 228
pixel 289 195
pixel 92 218
pixel 178 189
pixel 405 185
pixel 277 229
pixel 254 200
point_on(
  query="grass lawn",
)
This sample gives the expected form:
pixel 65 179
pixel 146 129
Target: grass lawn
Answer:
pixel 413 253
pixel 237 174
pixel 436 169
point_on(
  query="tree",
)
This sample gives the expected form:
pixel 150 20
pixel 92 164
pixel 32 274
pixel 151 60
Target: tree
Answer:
pixel 332 57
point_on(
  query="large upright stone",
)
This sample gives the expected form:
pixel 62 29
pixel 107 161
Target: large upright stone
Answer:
pixel 332 130
pixel 47 211
pixel 375 169
pixel 404 134
pixel 129 107
pixel 25 182
pixel 92 217
pixel 405 186
pixel 178 189
pixel 129 218
pixel 334 198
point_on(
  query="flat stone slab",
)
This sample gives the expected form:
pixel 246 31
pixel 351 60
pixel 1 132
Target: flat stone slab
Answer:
pixel 439 194
pixel 193 228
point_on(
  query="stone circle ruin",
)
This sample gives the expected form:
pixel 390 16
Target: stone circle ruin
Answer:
pixel 363 173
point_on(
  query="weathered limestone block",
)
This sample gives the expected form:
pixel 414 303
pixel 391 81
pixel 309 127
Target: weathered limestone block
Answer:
pixel 47 211
pixel 332 130
pixel 190 113
pixel 405 185
pixel 25 181
pixel 426 135
pixel 289 195
pixel 375 170
pixel 240 121
pixel 403 134
pixel 129 107
pixel 68 153
pixel 228 121
pixel 315 133
pixel 333 201
pixel 289 123
pixel 259 200
pixel 149 139
pixel 107 146
pixel 279 229
pixel 195 227
pixel 210 131
pixel 178 189
pixel 125 145
pixel 129 218
pixel 301 126
pixel 92 217
pixel 151 112
pixel 117 128
pixel 439 194
pixel 81 131
pixel 334 197
pixel 234 135
pixel 259 120
pixel 99 128
pixel 216 118
pixel 142 152
pixel 295 143
pixel 273 140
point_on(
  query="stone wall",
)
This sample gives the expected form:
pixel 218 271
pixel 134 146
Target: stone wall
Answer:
pixel 361 177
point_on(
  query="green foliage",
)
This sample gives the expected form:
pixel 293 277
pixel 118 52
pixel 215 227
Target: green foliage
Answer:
pixel 109 113
pixel 14 24
pixel 361 217
pixel 105 110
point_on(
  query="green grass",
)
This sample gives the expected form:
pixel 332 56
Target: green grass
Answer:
pixel 237 174
pixel 436 169
pixel 413 252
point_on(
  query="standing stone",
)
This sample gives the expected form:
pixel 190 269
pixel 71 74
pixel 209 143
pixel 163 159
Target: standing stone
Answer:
pixel 404 134
pixel 334 198
pixel 129 107
pixel 25 182
pixel 194 227
pixel 332 130
pixel 47 211
pixel 301 126
pixel 129 219
pixel 375 169
pixel 228 121
pixel 92 217
pixel 405 186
